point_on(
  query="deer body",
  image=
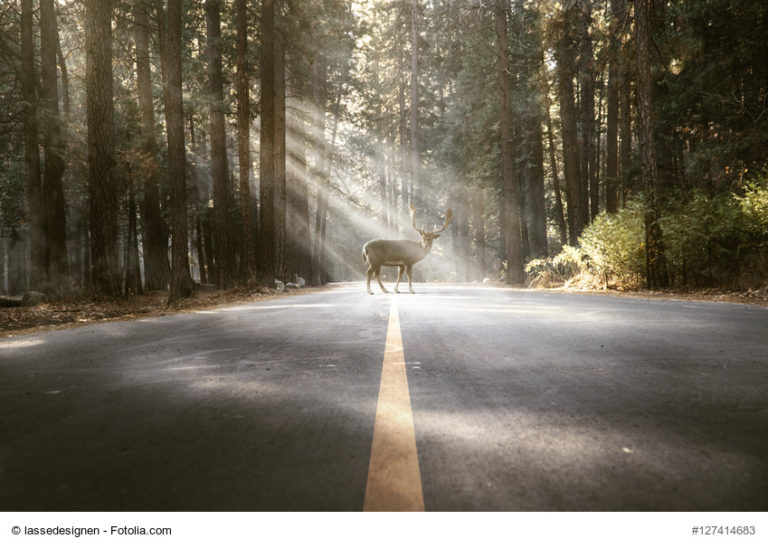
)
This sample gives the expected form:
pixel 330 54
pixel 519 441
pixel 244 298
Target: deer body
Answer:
pixel 400 253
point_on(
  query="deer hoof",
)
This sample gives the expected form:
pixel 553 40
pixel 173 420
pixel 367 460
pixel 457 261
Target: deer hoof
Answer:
pixel 411 291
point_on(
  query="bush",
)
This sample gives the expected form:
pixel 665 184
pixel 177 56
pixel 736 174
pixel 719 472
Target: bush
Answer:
pixel 754 207
pixel 611 253
pixel 614 245
pixel 719 240
pixel 555 271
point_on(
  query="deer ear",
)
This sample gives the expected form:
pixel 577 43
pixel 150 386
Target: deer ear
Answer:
pixel 437 236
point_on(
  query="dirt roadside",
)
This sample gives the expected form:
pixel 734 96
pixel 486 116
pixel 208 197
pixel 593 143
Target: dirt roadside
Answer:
pixel 77 311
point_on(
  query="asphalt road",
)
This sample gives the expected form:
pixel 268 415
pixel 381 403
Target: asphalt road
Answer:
pixel 520 400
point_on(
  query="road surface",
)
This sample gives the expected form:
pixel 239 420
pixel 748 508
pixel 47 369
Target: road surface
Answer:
pixel 460 397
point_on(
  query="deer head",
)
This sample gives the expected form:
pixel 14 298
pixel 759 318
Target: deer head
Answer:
pixel 427 237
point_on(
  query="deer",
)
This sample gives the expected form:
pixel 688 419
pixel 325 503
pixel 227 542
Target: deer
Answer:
pixel 400 253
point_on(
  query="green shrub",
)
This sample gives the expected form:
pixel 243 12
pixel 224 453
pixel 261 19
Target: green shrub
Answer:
pixel 613 245
pixel 754 207
pixel 708 240
pixel 703 238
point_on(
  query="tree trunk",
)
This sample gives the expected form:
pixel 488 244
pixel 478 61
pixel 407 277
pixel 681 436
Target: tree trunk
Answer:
pixel 32 149
pixel 267 235
pixel 405 198
pixel 531 62
pixel 64 73
pixel 225 256
pixel 101 147
pixel 611 140
pixel 510 207
pixel 625 117
pixel 280 171
pixel 392 189
pixel 319 268
pixel 535 203
pixel 298 256
pixel 656 267
pixel 381 169
pixel 85 243
pixel 206 227
pixel 53 187
pixel 132 269
pixel 244 142
pixel 414 112
pixel 202 261
pixel 566 60
pixel 154 240
pixel 479 222
pixel 463 213
pixel 453 230
pixel 181 282
pixel 559 216
pixel 588 182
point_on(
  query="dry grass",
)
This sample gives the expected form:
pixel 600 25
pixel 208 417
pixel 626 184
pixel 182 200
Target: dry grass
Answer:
pixel 746 296
pixel 76 311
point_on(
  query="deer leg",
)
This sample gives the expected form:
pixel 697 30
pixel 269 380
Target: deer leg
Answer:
pixel 400 270
pixel 378 278
pixel 410 286
pixel 368 279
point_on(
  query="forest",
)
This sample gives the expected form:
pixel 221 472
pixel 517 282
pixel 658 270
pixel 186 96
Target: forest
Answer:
pixel 160 145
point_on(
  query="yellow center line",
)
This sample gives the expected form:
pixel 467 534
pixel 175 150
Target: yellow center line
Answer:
pixel 394 480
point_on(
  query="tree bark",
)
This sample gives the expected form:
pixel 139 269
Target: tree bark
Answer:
pixel 181 281
pixel 381 161
pixel 479 222
pixel 625 117
pixel 535 203
pixel 222 199
pixel 298 241
pixel 453 230
pixel 154 235
pixel 244 142
pixel 510 207
pixel 267 184
pixel 404 194
pixel 463 213
pixel 531 62
pixel 319 267
pixel 559 215
pixel 656 267
pixel 37 270
pixel 280 167
pixel 65 105
pixel 612 122
pixel 101 147
pixel 53 187
pixel 588 182
pixel 132 269
pixel 566 60
pixel 414 111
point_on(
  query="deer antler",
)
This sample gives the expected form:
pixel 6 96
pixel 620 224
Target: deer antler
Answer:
pixel 448 217
pixel 413 217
